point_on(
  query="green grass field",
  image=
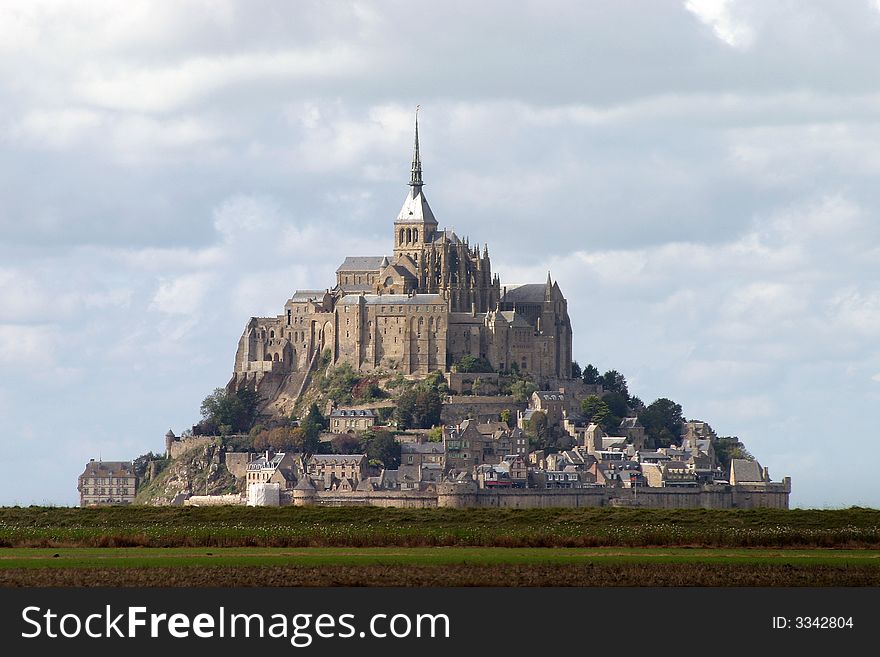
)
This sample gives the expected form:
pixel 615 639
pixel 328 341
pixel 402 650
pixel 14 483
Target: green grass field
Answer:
pixel 236 546
pixel 259 557
pixel 377 527
pixel 437 566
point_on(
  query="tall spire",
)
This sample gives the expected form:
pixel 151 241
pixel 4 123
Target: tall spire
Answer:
pixel 415 180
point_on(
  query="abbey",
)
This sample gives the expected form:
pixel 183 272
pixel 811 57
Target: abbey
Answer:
pixel 421 309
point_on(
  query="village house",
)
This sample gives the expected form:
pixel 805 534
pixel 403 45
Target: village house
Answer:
pixel 283 468
pixel 330 470
pixel 350 420
pixel 106 483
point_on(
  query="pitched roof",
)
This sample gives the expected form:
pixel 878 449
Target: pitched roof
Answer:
pixel 422 448
pixel 447 234
pixel 525 293
pixel 302 296
pixel 108 469
pixel 361 263
pixel 352 412
pixel 396 299
pixel 515 319
pixel 415 209
pixel 337 458
pixel 743 470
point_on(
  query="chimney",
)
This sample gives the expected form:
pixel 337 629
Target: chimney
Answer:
pixel 766 474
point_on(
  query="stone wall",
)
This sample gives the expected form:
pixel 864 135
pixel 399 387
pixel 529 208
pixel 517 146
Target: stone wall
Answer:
pixel 178 447
pixel 213 500
pixel 774 495
pixel 237 462
pixel 483 408
pixel 405 499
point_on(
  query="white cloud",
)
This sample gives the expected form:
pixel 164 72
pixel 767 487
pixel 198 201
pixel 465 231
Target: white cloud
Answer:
pixel 182 295
pixel 719 15
pixel 167 88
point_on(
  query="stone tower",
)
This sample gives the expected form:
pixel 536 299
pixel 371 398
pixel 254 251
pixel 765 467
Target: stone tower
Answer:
pixel 415 226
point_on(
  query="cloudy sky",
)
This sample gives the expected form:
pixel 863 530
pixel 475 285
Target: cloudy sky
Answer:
pixel 700 176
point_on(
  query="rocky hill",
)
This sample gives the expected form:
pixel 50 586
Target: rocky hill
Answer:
pixel 196 471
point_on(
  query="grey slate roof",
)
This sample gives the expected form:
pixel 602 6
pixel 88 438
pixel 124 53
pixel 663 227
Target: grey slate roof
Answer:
pixel 108 469
pixel 301 296
pixel 352 412
pixel 743 470
pixel 396 299
pixel 337 458
pixel 415 209
pixel 515 319
pixel 354 288
pixel 361 263
pixel 450 236
pixel 422 448
pixel 528 293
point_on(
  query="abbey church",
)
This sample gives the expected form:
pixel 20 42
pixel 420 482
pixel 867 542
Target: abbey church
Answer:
pixel 434 300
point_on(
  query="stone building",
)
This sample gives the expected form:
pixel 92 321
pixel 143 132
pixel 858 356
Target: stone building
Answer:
pixel 420 309
pixel 107 482
pixel 284 468
pixel 350 420
pixel 328 470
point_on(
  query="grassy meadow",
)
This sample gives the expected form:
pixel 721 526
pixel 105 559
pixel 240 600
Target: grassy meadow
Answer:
pixel 236 546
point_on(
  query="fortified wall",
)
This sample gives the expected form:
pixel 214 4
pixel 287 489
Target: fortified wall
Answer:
pixel 740 496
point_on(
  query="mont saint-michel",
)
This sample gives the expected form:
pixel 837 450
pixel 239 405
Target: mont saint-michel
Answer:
pixel 420 379
pixel 421 309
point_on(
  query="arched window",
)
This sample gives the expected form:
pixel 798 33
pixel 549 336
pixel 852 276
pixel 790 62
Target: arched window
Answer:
pixel 408 235
pixel 401 236
pixel 272 334
pixel 415 235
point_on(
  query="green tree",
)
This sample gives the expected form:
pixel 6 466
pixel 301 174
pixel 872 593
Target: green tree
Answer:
pixel 522 389
pixel 504 416
pixel 476 385
pixel 662 421
pixel 538 426
pixel 617 403
pixel 435 435
pixel 346 443
pixel 576 372
pixel 383 448
pixel 636 404
pixel 591 375
pixel 727 448
pixel 229 412
pixel 468 364
pixel 594 409
pixel 312 425
pixel 614 381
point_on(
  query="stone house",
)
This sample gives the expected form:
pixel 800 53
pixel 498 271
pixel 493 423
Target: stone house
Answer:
pixel 464 446
pixel 493 476
pixel 106 483
pixel 632 429
pixel 350 420
pixel 283 468
pixel 744 471
pixel 518 469
pixel 328 470
pixel 413 455
pixel 552 403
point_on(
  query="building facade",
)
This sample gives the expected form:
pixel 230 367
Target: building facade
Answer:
pixel 418 310
pixel 107 482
